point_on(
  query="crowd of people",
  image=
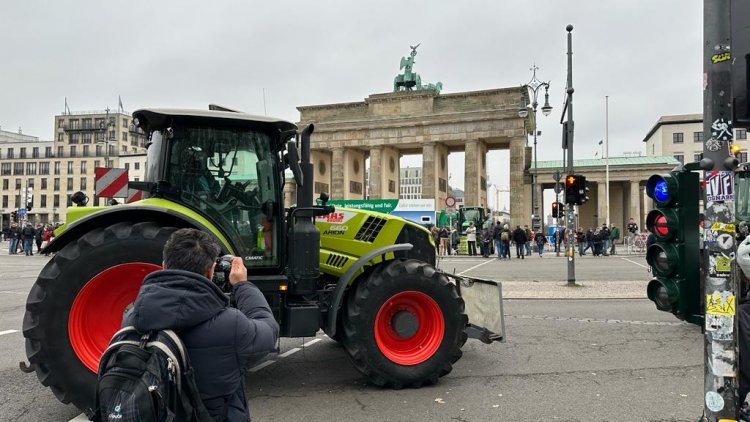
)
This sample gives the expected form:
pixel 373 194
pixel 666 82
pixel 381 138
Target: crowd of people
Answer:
pixel 24 237
pixel 600 241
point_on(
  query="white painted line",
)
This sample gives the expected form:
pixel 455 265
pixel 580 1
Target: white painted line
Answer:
pixel 290 352
pixel 80 418
pixel 8 292
pixel 2 333
pixel 476 266
pixel 636 263
pixel 260 366
pixel 311 342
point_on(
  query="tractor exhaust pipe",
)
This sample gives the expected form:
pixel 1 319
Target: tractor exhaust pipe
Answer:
pixel 304 239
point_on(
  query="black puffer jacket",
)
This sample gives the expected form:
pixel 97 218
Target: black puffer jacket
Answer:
pixel 220 340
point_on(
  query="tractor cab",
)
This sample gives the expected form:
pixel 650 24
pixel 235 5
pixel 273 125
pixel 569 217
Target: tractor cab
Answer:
pixel 224 166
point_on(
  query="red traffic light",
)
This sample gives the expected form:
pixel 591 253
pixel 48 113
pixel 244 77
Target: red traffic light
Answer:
pixel 660 225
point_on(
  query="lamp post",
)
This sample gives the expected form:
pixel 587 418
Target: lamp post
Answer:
pixel 533 89
pixel 106 127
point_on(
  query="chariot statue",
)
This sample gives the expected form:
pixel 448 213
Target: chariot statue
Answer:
pixel 410 80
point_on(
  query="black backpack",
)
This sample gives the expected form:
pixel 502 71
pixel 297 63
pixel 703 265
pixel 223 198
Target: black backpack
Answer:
pixel 147 377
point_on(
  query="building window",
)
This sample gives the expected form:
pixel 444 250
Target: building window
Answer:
pixel 86 138
pixel 10 153
pixel 678 138
pixel 99 123
pixel 73 151
pixel 43 201
pixel 680 158
pixel 83 183
pixel 84 167
pixel 35 152
pixel 97 163
pixel 99 137
pixel 73 138
pixel 5 184
pixel 69 185
pixel 56 201
pixel 743 157
pixel 697 136
pixel 741 134
pixel 18 184
pixel 70 167
pixel 44 183
pixel 5 201
pixel 60 137
pixel 697 157
pixel 47 152
pixel 59 151
pixel 60 124
pixel 86 150
pixel 23 153
pixel 98 150
pixel 57 167
pixel 5 169
pixel 124 122
pixel 17 168
pixel 87 124
pixel 68 202
pixel 125 136
pixel 31 168
pixel 137 166
pixel 56 184
pixel 74 124
pixel 127 166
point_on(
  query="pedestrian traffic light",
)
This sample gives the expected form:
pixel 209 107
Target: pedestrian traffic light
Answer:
pixel 555 210
pixel 14 215
pixel 576 192
pixel 674 257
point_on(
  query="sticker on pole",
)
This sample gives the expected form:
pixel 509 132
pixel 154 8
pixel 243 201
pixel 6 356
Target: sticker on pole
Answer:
pixel 111 182
pixel 720 186
pixel 714 401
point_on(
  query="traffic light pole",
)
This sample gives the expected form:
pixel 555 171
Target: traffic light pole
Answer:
pixel 569 147
pixel 720 278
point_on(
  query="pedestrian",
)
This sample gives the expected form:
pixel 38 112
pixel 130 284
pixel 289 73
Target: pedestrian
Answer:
pixel 471 239
pixel 529 238
pixel 632 230
pixel 455 239
pixel 436 237
pixel 614 236
pixel 519 238
pixel 581 240
pixel 221 340
pixel 486 239
pixel 497 237
pixel 38 237
pixel 505 238
pixel 27 234
pixel 14 237
pixel 589 240
pixel 605 239
pixel 540 241
pixel 47 236
pixel 596 240
pixel 443 236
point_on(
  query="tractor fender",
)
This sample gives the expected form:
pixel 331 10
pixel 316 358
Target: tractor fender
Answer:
pixel 135 213
pixel 348 276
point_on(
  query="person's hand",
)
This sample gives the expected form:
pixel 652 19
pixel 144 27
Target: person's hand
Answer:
pixel 238 272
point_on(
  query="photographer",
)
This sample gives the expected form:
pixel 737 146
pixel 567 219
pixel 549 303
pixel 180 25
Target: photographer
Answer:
pixel 221 341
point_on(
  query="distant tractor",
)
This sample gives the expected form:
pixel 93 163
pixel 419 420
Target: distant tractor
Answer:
pixel 368 280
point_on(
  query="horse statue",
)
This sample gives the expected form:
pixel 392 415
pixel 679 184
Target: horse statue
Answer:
pixel 412 81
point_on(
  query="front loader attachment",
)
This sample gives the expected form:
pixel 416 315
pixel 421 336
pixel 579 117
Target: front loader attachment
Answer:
pixel 484 307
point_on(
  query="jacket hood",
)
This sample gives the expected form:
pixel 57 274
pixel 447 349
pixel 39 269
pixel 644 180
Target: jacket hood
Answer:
pixel 175 299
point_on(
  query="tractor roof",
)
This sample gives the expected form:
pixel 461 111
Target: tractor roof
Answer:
pixel 158 118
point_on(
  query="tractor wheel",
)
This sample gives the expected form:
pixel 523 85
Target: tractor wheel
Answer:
pixel 404 325
pixel 78 301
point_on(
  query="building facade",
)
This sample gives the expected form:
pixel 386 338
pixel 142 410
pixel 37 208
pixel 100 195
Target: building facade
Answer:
pixel 54 170
pixel 681 136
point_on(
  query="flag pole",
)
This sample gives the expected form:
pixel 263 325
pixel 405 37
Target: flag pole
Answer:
pixel 606 154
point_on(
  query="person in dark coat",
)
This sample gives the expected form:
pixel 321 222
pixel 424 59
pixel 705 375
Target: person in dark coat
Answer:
pixel 519 237
pixel 220 340
pixel 27 234
pixel 14 237
pixel 38 237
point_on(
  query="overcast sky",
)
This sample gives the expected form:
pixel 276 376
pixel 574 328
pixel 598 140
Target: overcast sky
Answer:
pixel 644 54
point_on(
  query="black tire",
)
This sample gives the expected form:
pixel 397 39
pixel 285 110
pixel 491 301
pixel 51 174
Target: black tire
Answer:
pixel 45 323
pixel 363 304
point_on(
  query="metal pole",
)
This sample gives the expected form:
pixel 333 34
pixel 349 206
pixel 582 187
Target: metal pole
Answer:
pixel 534 178
pixel 569 106
pixel 606 153
pixel 721 399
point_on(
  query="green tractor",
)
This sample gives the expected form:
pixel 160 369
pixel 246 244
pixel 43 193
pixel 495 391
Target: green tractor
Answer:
pixel 368 280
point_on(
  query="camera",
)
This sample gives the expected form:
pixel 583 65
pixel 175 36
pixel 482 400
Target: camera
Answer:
pixel 224 264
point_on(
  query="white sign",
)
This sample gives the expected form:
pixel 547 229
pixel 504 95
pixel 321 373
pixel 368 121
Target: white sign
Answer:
pixel 451 211
pixel 450 201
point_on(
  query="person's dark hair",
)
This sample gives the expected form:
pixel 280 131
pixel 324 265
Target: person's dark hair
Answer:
pixel 190 250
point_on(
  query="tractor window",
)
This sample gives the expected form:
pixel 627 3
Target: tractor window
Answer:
pixel 229 176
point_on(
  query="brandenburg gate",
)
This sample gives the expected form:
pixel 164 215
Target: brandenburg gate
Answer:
pixel 385 126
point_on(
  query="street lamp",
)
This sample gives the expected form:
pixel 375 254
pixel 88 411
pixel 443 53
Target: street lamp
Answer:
pixel 523 112
pixel 106 127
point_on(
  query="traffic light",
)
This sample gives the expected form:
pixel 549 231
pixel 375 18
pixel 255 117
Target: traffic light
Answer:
pixel 14 215
pixel 675 257
pixel 555 210
pixel 576 192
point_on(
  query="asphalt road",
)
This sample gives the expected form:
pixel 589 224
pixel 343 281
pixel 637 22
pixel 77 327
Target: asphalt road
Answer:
pixel 570 356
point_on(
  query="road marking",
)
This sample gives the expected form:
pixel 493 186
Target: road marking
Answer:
pixel 8 292
pixel 599 321
pixel 290 352
pixel 311 342
pixel 260 366
pixel 636 263
pixel 476 266
pixel 80 418
pixel 2 333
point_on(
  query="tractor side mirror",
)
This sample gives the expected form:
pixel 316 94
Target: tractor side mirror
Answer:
pixel 291 160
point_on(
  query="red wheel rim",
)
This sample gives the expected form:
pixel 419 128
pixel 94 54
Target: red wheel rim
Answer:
pixel 424 342
pixel 97 310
